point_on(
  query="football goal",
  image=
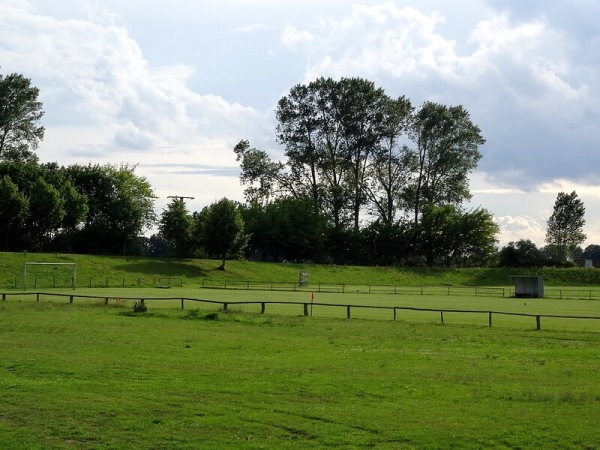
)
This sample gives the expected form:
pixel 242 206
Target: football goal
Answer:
pixel 44 274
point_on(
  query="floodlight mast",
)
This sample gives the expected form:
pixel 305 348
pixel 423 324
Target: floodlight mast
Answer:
pixel 180 197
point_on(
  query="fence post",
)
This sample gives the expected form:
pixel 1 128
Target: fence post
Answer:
pixel 37 297
pixel 262 308
pixel 421 290
pixel 224 307
pixel 538 322
pixel 442 316
pixel 448 290
pixel 394 313
pixel 90 285
pixel 70 299
pixel 123 281
pixel 3 296
pixel 490 319
pixel 348 312
pixel 306 310
pixel 106 300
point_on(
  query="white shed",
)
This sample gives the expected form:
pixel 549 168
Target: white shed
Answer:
pixel 528 286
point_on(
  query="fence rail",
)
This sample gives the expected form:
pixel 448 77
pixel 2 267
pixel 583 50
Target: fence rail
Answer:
pixel 305 306
pixel 355 288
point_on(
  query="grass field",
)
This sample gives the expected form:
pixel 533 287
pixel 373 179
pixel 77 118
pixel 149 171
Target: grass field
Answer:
pixel 322 305
pixel 88 375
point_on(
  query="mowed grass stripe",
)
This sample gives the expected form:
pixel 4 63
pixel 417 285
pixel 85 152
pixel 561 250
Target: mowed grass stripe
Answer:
pixel 236 300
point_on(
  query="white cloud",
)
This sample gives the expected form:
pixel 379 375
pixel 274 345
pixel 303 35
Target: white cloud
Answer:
pixel 94 75
pixel 519 79
pixel 515 228
pixel 292 37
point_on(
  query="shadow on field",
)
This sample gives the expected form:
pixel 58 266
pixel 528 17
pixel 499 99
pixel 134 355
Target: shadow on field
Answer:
pixel 165 268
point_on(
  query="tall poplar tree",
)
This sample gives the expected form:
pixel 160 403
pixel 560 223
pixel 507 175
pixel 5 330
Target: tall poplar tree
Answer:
pixel 565 226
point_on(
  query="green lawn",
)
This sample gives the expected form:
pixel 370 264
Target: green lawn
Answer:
pixel 277 303
pixel 87 375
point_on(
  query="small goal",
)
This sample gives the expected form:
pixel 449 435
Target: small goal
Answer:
pixel 44 274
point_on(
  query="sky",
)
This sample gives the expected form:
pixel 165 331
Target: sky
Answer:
pixel 171 87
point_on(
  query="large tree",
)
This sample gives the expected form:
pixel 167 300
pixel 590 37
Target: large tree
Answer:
pixel 175 226
pixel 353 150
pixel 592 251
pixel 565 226
pixel 330 130
pixel 288 228
pixel 362 111
pixel 391 166
pixel 219 230
pixel 310 127
pixel 20 113
pixel 120 206
pixel 47 210
pixel 447 150
pixel 522 253
pixel 451 237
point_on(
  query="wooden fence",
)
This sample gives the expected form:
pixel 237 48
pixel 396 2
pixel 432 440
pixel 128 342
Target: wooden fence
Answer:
pixel 355 288
pixel 306 306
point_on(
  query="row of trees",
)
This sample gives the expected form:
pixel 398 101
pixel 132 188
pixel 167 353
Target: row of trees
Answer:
pixel 366 179
pixel 356 152
pixel 382 181
pixel 82 209
pixel 293 229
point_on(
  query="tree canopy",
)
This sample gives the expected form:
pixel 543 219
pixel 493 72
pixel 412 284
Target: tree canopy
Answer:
pixel 219 230
pixel 20 113
pixel 565 226
pixel 357 153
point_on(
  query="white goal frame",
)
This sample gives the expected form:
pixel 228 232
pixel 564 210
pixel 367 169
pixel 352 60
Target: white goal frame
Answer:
pixel 73 280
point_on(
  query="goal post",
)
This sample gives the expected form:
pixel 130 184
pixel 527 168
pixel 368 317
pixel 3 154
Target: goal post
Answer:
pixel 70 267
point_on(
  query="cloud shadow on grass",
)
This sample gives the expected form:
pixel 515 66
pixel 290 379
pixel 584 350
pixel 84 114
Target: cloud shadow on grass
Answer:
pixel 166 268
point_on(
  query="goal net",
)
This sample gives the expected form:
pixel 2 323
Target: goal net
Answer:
pixel 47 275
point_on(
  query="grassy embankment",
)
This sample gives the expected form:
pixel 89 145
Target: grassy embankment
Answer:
pixel 101 271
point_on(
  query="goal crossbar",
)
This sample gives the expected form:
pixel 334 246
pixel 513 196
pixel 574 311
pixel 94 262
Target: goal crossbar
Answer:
pixel 30 263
